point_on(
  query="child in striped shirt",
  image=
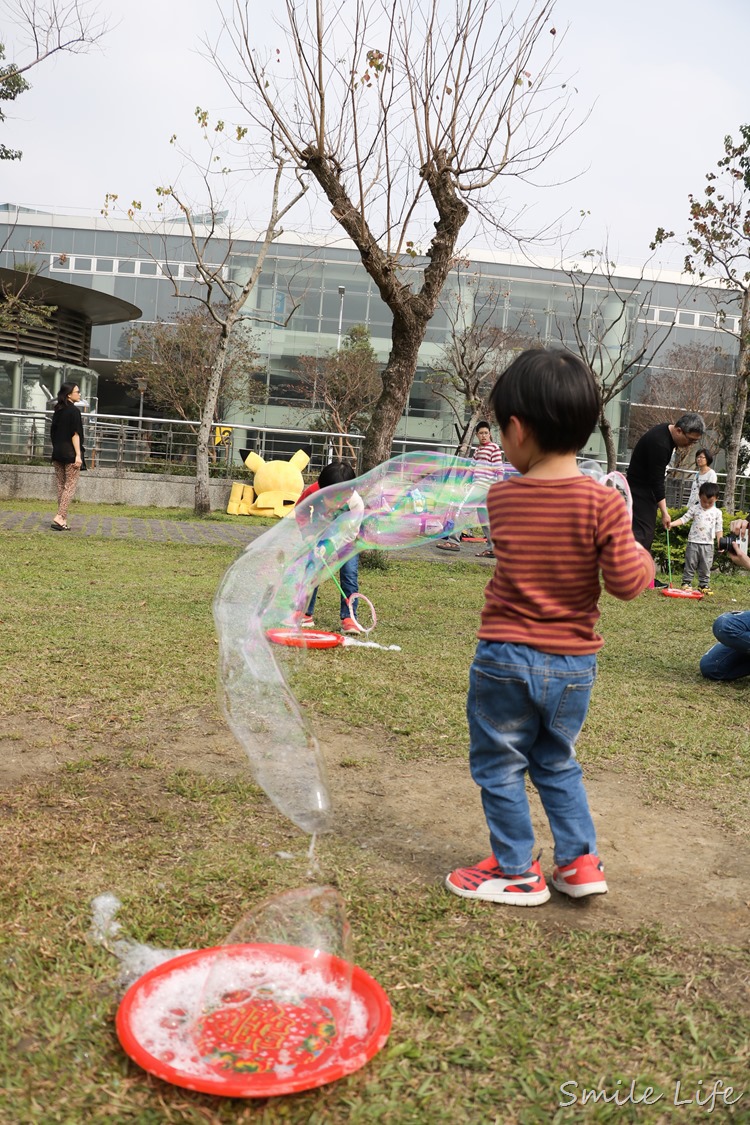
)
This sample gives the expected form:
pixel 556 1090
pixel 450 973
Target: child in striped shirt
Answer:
pixel 535 663
pixel 489 458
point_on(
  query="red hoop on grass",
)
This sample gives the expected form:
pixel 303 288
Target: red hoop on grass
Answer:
pixel 310 638
pixel 674 592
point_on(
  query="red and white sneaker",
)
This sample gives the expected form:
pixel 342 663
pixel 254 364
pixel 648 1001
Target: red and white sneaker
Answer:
pixel 584 876
pixel 487 881
pixel 349 625
pixel 297 620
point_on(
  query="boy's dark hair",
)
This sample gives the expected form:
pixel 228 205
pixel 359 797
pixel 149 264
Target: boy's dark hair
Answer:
pixel 336 473
pixel 482 426
pixel 554 393
pixel 707 454
pixel 710 488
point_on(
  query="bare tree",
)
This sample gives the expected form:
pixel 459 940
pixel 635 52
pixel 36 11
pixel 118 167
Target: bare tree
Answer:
pixel 175 359
pixel 48 27
pixel 478 348
pixel 223 299
pixel 611 327
pixel 342 386
pixel 42 30
pixel 693 378
pixel 23 307
pixel 408 115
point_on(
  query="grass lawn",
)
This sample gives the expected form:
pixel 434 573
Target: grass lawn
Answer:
pixel 108 652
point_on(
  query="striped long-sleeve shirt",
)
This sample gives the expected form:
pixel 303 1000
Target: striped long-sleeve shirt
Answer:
pixel 489 460
pixel 552 538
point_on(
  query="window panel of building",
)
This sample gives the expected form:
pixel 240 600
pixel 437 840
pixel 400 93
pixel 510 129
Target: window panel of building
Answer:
pixel 105 243
pixel 81 241
pixel 355 309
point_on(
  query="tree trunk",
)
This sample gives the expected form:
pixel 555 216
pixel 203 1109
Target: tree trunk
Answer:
pixel 605 429
pixel 202 494
pixel 411 311
pixel 398 375
pixel 739 404
pixel 464 444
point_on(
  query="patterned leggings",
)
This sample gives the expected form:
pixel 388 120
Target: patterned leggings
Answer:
pixel 66 478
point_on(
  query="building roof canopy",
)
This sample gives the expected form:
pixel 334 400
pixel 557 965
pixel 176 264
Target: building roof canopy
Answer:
pixel 98 307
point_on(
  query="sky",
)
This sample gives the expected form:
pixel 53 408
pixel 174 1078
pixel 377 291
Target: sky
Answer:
pixel 659 84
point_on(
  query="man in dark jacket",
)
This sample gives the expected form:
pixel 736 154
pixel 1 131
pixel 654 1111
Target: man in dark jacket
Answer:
pixel 647 469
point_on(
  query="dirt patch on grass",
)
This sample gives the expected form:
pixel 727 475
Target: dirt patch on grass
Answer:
pixel 676 867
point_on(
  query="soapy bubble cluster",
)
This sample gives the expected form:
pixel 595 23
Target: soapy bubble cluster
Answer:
pixel 274 1001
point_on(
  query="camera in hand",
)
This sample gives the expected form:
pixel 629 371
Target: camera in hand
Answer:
pixel 733 542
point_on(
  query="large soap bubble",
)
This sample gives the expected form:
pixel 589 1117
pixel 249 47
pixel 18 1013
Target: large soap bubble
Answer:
pixel 405 502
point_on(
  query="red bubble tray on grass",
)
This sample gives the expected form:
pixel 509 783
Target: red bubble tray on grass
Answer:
pixel 309 638
pixel 253 1042
pixel 674 592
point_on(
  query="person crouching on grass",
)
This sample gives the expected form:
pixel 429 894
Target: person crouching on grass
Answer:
pixel 535 662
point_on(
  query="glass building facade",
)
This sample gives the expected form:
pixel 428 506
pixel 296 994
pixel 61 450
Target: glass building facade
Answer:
pixel 311 290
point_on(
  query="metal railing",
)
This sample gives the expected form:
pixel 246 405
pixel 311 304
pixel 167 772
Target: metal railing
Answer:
pixel 680 481
pixel 168 445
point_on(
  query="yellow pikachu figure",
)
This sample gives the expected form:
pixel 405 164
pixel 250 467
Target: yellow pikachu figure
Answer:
pixel 278 485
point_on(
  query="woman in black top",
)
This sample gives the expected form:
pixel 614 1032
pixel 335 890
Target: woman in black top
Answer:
pixel 67 450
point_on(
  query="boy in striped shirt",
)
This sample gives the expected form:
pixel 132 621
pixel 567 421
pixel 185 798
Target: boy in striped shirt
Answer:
pixel 489 458
pixel 489 468
pixel 535 663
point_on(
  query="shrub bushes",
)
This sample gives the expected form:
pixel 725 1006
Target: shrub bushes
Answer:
pixel 678 538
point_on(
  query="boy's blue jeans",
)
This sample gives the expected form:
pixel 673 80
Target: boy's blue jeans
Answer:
pixel 348 576
pixel 525 711
pixel 730 658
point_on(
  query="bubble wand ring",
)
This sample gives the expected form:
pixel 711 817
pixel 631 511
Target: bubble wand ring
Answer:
pixel 357 596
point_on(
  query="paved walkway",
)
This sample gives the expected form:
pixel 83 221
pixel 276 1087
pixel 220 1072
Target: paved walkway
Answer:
pixel 202 533
pixel 197 532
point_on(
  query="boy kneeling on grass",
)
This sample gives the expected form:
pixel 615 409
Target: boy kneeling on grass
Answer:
pixel 535 663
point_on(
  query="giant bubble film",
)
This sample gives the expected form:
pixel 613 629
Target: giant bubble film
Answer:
pixel 404 502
